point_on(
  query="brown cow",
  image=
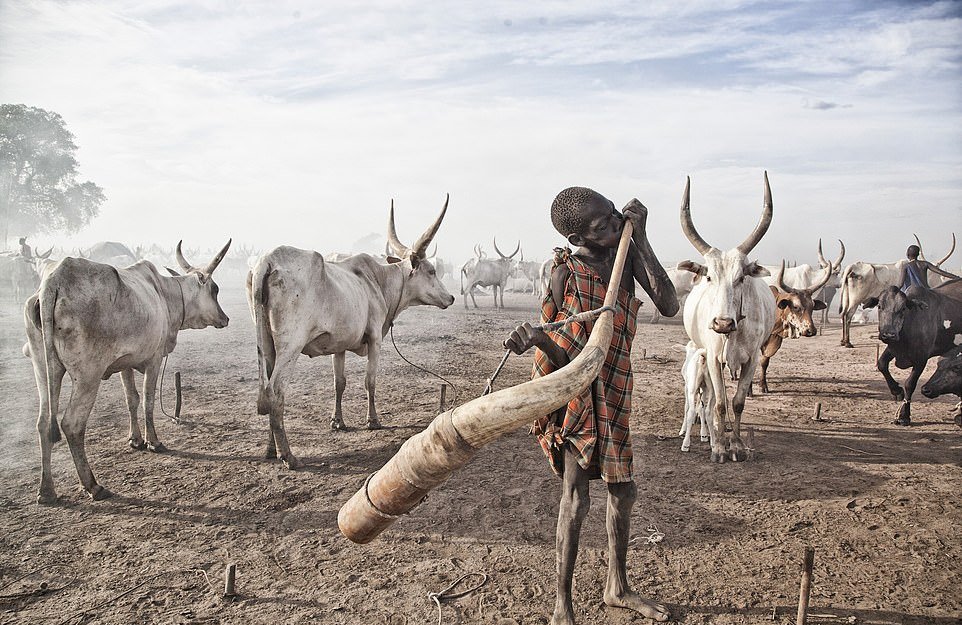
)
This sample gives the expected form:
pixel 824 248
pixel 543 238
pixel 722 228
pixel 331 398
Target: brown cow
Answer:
pixel 793 311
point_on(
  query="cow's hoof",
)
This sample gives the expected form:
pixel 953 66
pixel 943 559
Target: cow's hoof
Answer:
pixel 293 463
pixel 717 457
pixel 847 344
pixel 903 421
pixel 99 493
pixel 46 498
pixel 337 425
pixel 138 445
pixel 374 424
pixel 739 455
pixel 705 439
pixel 157 448
pixel 686 447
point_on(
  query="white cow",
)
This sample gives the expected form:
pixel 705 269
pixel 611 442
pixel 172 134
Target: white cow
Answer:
pixel 683 281
pixel 861 281
pixel 493 273
pixel 91 320
pixel 729 314
pixel 699 400
pixel 302 304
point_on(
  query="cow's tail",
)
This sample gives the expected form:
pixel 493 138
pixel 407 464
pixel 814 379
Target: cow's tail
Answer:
pixel 265 341
pixel 463 275
pixel 42 317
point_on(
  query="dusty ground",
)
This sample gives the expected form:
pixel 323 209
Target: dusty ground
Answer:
pixel 879 503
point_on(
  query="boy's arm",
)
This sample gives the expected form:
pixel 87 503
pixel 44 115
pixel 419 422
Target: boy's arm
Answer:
pixel 525 336
pixel 944 274
pixel 646 268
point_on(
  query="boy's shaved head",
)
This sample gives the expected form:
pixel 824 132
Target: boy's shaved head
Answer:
pixel 569 211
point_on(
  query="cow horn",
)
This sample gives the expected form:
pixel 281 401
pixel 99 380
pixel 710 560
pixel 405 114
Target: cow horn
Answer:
pixel 46 254
pixel 516 250
pixel 497 250
pixel 921 255
pixel 181 260
pixel 841 256
pixel 212 265
pixel 822 262
pixel 397 247
pixel 749 244
pixel 780 279
pixel 421 245
pixel 822 282
pixel 946 257
pixel 434 253
pixel 687 226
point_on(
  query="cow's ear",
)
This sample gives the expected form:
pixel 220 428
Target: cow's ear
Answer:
pixel 783 303
pixel 756 271
pixel 819 305
pixel 393 259
pixel 917 303
pixel 692 266
pixel 774 290
pixel 871 302
pixel 171 271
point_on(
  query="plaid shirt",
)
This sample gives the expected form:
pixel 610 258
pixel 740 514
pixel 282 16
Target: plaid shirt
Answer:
pixel 595 423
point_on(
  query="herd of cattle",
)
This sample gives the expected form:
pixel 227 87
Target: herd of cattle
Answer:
pixel 109 309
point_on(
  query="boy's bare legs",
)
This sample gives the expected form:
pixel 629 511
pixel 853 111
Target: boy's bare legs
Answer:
pixel 573 510
pixel 621 497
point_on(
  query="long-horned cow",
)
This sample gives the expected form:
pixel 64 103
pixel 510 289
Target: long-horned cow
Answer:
pixel 493 273
pixel 934 278
pixel 804 276
pixel 915 325
pixel 728 314
pixel 793 315
pixel 302 304
pixel 947 379
pixel 91 320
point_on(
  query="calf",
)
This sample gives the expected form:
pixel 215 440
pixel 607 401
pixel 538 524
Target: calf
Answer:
pixel 699 400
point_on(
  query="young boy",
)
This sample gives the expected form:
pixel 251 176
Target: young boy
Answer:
pixel 589 437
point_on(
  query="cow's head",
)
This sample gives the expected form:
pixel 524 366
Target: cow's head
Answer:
pixel 947 378
pixel 507 261
pixel 201 308
pixel 423 286
pixel 725 272
pixel 795 306
pixel 893 307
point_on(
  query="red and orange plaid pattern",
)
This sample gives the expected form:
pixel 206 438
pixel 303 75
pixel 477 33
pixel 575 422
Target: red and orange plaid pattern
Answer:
pixel 594 423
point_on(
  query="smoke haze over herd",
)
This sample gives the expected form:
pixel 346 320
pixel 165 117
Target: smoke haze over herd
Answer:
pixel 296 123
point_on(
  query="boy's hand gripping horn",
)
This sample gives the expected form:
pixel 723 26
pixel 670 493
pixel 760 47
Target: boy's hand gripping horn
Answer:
pixel 428 458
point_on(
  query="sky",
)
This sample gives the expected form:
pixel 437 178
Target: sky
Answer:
pixel 298 122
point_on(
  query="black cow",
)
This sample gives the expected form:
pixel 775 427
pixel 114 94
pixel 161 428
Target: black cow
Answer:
pixel 947 379
pixel 915 326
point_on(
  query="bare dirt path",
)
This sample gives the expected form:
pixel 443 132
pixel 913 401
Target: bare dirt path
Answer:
pixel 880 503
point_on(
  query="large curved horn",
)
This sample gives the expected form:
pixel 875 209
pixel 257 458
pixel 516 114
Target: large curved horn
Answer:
pixel 780 279
pixel 946 257
pixel 425 239
pixel 181 260
pixel 687 226
pixel 822 262
pixel 212 265
pixel 921 255
pixel 396 246
pixel 497 250
pixel 428 458
pixel 749 244
pixel 46 254
pixel 828 274
pixel 841 256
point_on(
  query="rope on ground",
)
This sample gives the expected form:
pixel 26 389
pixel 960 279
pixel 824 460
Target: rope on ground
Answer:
pixel 447 595
pixel 454 387
pixel 654 536
pixel 160 393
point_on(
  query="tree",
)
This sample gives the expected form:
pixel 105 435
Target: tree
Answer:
pixel 39 191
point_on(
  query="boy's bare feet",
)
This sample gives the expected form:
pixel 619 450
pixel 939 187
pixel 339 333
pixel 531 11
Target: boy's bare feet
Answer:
pixel 633 601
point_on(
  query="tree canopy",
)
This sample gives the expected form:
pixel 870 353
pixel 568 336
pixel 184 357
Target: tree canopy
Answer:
pixel 39 190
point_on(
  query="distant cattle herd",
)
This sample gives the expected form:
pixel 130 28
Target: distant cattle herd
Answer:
pixel 110 308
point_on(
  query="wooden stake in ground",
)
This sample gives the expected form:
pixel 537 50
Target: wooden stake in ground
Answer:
pixel 805 588
pixel 229 580
pixel 444 390
pixel 818 412
pixel 179 396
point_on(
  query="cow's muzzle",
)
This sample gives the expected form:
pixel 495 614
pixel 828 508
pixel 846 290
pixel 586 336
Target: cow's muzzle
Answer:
pixel 888 337
pixel 723 325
